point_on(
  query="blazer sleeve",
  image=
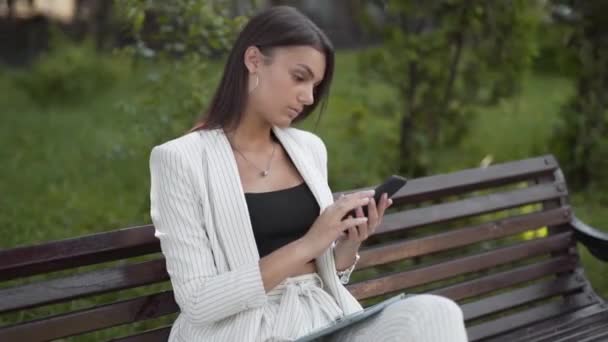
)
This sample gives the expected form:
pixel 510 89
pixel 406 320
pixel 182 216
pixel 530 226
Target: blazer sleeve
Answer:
pixel 203 295
pixel 320 154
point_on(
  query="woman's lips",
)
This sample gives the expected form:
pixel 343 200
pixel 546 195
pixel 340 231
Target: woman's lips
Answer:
pixel 293 112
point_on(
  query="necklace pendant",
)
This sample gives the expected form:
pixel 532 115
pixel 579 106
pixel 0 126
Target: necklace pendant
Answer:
pixel 264 173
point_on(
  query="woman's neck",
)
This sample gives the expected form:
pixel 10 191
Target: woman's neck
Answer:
pixel 251 135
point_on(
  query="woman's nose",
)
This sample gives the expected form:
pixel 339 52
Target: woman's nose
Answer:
pixel 307 96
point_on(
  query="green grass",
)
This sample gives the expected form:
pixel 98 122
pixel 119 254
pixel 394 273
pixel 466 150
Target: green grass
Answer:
pixel 516 128
pixel 69 169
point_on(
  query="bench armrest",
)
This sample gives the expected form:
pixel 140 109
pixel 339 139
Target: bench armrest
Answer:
pixel 595 240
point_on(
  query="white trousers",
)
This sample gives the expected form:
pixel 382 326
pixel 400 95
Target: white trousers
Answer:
pixel 299 305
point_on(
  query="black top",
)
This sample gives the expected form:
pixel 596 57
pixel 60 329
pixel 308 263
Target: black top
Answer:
pixel 282 216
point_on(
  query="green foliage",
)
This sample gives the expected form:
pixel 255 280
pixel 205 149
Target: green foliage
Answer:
pixel 515 128
pixel 194 32
pixel 71 73
pixel 172 95
pixel 181 26
pixel 446 57
pixel 554 56
pixel 581 136
pixel 358 128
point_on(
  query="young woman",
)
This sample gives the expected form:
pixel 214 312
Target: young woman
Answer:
pixel 256 247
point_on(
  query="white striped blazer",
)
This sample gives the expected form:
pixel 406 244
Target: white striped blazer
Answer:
pixel 200 215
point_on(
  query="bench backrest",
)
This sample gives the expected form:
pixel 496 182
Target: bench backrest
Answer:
pixel 495 239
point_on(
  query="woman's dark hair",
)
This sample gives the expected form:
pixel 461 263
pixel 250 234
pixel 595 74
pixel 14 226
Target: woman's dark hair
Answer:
pixel 278 26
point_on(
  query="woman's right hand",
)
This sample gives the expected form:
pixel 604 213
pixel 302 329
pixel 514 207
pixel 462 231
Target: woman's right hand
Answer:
pixel 329 226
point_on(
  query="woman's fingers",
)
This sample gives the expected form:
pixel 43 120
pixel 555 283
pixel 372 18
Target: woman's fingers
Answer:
pixel 347 204
pixel 384 203
pixel 352 204
pixel 359 211
pixel 372 211
pixel 353 222
pixel 358 194
pixel 376 212
pixel 353 233
pixel 360 232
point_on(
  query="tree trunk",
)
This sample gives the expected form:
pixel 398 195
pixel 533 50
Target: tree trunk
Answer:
pixel 408 164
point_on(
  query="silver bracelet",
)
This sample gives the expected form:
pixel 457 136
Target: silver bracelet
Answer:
pixel 345 275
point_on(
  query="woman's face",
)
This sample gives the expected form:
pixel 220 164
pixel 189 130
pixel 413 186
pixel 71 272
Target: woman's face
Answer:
pixel 286 82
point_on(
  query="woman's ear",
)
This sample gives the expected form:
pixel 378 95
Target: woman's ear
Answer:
pixel 252 59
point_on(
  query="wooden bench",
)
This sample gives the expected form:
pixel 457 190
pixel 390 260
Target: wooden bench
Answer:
pixel 499 240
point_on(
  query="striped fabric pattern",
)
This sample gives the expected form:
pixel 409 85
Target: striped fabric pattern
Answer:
pixel 200 214
pixel 419 318
pixel 296 307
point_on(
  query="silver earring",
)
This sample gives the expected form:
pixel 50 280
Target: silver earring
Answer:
pixel 257 82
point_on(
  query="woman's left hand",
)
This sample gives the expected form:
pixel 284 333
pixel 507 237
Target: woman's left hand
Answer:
pixel 348 245
pixel 356 235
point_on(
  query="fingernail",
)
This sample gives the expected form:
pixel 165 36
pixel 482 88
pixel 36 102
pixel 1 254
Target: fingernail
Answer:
pixel 365 200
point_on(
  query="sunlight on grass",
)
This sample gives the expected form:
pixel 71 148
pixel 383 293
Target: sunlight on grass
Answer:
pixel 516 128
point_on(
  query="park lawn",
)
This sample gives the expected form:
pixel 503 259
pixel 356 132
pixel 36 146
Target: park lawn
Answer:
pixel 69 169
pixel 516 128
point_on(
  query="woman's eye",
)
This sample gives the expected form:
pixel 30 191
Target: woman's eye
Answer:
pixel 298 78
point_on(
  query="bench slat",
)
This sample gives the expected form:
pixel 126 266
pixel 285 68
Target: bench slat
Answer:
pixel 537 331
pixel 591 327
pixel 426 188
pixel 394 251
pixel 473 263
pixel 87 250
pixel 560 330
pixel 531 315
pixel 470 207
pixel 156 335
pixel 86 284
pixel 599 334
pixel 502 280
pixel 511 299
pixel 602 336
pixel 88 320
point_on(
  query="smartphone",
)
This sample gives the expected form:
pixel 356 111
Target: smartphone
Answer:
pixel 390 186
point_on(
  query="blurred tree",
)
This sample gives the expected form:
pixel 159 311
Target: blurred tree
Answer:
pixel 180 37
pixel 181 27
pixel 581 138
pixel 445 57
pixel 336 18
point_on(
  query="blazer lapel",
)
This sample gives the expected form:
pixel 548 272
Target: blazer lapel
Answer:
pixel 232 222
pixel 305 165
